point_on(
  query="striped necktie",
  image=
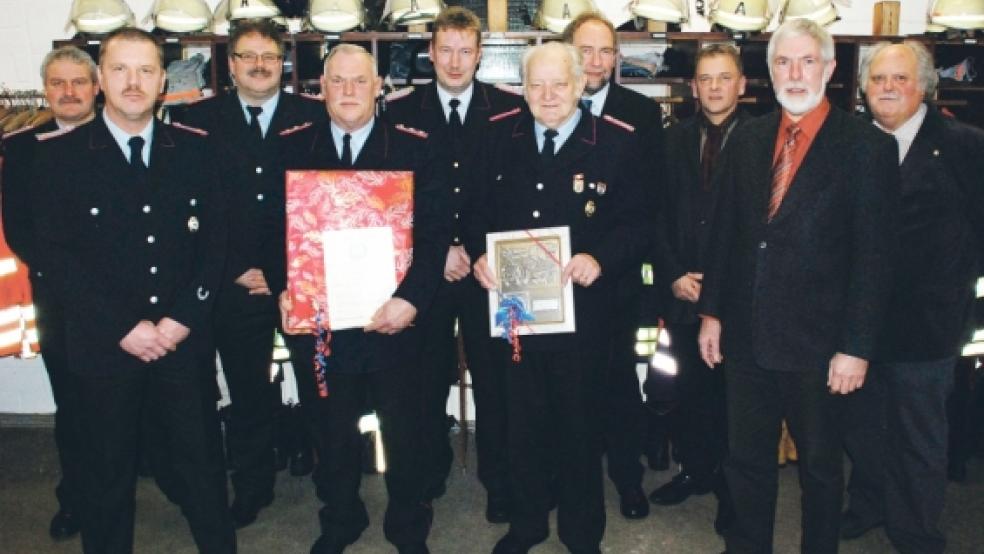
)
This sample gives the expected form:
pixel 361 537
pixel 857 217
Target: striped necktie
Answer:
pixel 782 171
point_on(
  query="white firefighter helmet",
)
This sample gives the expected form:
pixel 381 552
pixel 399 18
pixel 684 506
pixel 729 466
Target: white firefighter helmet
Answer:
pixel 252 9
pixel 957 14
pixel 335 16
pixel 670 11
pixel 100 16
pixel 742 15
pixel 822 12
pixel 220 18
pixel 181 16
pixel 412 12
pixel 554 15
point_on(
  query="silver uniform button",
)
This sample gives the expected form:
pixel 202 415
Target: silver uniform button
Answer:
pixel 150 239
pixel 259 197
pixel 457 190
pixel 539 186
pixel 146 209
pixel 455 165
pixel 259 170
pixel 762 244
pixel 193 202
pixel 456 215
pixel 153 300
pixel 94 211
pixel 153 270
pixel 536 213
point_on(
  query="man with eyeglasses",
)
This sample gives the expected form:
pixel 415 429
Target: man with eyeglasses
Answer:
pixel 245 127
pixel 595 37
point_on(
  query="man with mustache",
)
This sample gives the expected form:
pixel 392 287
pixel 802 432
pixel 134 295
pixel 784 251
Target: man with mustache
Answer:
pixel 70 88
pixel 796 285
pixel 245 126
pixel 132 241
pixel 897 434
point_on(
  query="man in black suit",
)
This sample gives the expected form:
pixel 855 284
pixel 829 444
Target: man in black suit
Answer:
pixel 245 127
pixel 559 165
pixel 797 278
pixel 375 368
pixel 692 149
pixel 132 240
pixel 455 109
pixel 899 470
pixel 624 419
pixel 70 89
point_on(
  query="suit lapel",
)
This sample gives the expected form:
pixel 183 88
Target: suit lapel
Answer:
pixel 580 143
pixel 760 164
pixel 812 172
pixel 922 148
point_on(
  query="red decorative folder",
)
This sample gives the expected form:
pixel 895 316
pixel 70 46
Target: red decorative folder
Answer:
pixel 335 200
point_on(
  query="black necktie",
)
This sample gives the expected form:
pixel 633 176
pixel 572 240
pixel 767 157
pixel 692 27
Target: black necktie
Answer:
pixel 347 150
pixel 254 121
pixel 547 154
pixel 586 103
pixel 455 119
pixel 136 156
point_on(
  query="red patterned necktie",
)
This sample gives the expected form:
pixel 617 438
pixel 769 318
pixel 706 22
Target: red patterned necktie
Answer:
pixel 782 171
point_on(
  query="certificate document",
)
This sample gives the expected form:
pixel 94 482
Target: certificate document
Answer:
pixel 532 297
pixel 360 274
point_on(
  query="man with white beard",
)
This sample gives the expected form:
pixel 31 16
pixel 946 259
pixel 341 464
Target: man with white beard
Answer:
pixel 796 285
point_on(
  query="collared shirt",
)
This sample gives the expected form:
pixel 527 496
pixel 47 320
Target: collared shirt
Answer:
pixel 266 116
pixel 809 126
pixel 598 99
pixel 465 99
pixel 359 138
pixel 906 133
pixel 122 138
pixel 563 132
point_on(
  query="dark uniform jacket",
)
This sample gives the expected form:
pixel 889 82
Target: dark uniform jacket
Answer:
pixel 941 237
pixel 387 148
pixel 117 251
pixel 17 184
pixel 683 237
pixel 421 109
pixel 814 281
pixel 254 182
pixel 517 195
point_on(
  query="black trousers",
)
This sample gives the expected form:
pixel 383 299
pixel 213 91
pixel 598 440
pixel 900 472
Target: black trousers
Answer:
pixel 50 321
pixel 758 400
pixel 243 329
pixel 864 426
pixel 915 485
pixel 554 432
pixel 182 406
pixel 625 421
pixel 701 415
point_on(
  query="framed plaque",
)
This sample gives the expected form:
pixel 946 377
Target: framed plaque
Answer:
pixel 532 296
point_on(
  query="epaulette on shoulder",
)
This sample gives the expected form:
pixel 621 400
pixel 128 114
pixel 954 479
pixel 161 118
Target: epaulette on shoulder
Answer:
pixel 291 130
pixel 200 100
pixel 52 134
pixel 309 96
pixel 189 128
pixel 618 123
pixel 504 115
pixel 12 134
pixel 509 89
pixel 399 93
pixel 411 131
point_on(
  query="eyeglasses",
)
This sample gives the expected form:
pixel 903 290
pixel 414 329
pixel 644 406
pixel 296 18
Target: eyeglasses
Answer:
pixel 252 57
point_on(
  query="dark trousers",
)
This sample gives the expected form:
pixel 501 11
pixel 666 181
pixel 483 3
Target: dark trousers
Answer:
pixel 625 414
pixel 243 331
pixel 183 408
pixel 758 400
pixel 701 432
pixel 51 334
pixel 915 486
pixel 554 433
pixel 864 425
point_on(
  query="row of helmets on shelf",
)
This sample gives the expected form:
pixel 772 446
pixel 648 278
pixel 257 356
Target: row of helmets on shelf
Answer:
pixel 189 16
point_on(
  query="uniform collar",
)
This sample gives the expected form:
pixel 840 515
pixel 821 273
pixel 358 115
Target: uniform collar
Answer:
pixel 465 98
pixel 266 116
pixel 122 138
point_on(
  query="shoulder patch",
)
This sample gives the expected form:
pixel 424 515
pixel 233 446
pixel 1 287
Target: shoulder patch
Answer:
pixel 291 130
pixel 399 93
pixel 189 128
pixel 55 133
pixel 411 131
pixel 618 123
pixel 509 89
pixel 504 115
pixel 12 134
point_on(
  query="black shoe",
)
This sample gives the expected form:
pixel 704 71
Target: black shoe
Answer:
pixel 245 508
pixel 633 503
pixel 435 491
pixel 854 526
pixel 64 525
pixel 679 489
pixel 591 550
pixel 415 548
pixel 725 517
pixel 510 544
pixel 497 509
pixel 302 463
pixel 328 545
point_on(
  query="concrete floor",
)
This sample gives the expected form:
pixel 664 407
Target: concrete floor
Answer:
pixel 29 471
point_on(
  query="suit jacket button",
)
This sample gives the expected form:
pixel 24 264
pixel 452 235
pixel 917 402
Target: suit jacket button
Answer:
pixel 259 170
pixel 150 239
pixel 153 300
pixel 536 214
pixel 259 197
pixel 762 245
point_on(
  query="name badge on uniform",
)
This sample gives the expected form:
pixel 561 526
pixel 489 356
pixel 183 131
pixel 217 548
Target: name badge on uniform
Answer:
pixel 193 224
pixel 602 187
pixel 589 208
pixel 579 183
